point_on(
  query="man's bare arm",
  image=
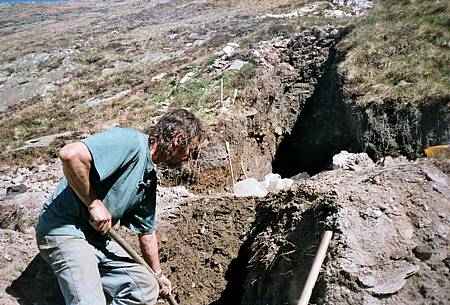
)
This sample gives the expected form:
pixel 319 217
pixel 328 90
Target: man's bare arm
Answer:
pixel 149 250
pixel 77 163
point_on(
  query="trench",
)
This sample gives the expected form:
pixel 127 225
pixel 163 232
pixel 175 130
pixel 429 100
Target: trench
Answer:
pixel 324 127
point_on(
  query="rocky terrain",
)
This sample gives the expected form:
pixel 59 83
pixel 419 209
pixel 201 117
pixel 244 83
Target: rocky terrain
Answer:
pixel 283 87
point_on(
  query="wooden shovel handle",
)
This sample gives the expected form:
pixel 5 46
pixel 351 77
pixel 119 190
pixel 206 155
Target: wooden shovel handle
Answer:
pixel 134 255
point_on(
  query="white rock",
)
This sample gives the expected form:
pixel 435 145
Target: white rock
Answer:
pixel 228 50
pixel 232 44
pixel 158 77
pixel 249 187
pixel 270 181
pixel 237 65
pixel 186 78
pixel 356 162
pixel 389 161
pixel 274 183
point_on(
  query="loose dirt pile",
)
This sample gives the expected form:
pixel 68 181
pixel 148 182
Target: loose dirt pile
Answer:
pixel 390 246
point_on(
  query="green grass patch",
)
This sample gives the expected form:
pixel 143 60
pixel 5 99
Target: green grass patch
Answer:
pixel 89 57
pixel 401 50
pixel 51 63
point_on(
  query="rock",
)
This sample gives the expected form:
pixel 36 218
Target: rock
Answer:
pixel 447 262
pixel 389 281
pixel 356 162
pixel 437 179
pixel 249 187
pixel 336 13
pixel 301 176
pixel 47 90
pixel 274 183
pixel 356 6
pixel 232 44
pixel 423 252
pixel 93 102
pixel 228 50
pixel 16 189
pixel 237 65
pixel 389 161
pixel 198 39
pixel 118 65
pixel 44 141
pixel 251 112
pixel 186 78
pixel 158 77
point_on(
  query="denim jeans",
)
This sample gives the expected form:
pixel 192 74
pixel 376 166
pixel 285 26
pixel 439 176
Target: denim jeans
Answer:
pixel 91 275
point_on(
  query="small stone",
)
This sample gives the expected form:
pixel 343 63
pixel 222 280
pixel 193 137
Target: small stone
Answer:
pixel 447 262
pixel 228 50
pixel 237 65
pixel 301 176
pixel 16 189
pixel 186 78
pixel 18 180
pixel 158 77
pixel 232 44
pixel 423 252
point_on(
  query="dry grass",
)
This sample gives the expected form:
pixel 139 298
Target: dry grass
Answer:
pixel 401 52
pixel 102 46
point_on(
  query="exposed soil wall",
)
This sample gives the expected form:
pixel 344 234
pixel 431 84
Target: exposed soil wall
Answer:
pixel 396 128
pixel 297 116
pixel 286 86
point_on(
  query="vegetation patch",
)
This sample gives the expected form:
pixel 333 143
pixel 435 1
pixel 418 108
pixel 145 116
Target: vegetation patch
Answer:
pixel 400 52
pixel 51 63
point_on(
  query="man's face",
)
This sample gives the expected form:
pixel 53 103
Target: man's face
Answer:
pixel 181 153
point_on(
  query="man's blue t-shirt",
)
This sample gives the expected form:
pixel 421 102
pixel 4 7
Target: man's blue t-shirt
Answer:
pixel 124 179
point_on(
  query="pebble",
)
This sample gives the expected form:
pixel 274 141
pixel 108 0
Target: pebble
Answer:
pixel 423 252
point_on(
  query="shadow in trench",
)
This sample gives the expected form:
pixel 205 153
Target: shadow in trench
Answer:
pixel 36 285
pixel 323 128
pixel 236 277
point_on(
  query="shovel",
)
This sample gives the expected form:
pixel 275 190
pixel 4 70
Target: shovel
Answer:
pixel 134 255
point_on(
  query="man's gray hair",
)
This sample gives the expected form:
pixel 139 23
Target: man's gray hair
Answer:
pixel 178 121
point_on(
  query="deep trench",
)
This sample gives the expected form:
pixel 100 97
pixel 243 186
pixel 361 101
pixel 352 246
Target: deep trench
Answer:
pixel 324 127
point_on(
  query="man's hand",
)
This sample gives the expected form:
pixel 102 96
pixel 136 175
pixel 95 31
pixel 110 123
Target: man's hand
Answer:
pixel 100 218
pixel 167 288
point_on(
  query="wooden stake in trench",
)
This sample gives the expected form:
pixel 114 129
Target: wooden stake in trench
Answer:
pixel 221 91
pixel 231 164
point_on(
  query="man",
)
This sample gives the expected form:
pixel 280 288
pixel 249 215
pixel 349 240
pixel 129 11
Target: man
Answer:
pixel 110 177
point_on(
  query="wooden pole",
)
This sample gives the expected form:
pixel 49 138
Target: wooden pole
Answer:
pixel 231 164
pixel 315 269
pixel 221 91
pixel 134 255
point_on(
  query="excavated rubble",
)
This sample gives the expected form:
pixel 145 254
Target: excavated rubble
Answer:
pixel 391 229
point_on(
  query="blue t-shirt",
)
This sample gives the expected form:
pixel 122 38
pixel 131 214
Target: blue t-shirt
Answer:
pixel 124 179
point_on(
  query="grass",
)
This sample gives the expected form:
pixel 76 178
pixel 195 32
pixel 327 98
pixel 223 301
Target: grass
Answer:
pixel 51 63
pixel 400 52
pixel 61 112
pixel 89 57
